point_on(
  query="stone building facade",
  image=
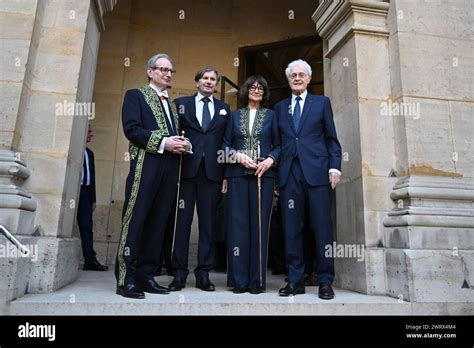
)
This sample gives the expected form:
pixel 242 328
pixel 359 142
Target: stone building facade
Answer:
pixel 400 77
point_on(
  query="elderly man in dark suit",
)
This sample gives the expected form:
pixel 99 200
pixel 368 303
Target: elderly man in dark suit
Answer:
pixel 203 118
pixel 309 167
pixel 151 124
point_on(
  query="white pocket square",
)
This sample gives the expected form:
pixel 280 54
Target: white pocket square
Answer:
pixel 223 112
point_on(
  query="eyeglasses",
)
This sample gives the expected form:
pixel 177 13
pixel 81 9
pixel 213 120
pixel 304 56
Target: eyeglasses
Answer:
pixel 164 70
pixel 258 89
pixel 301 75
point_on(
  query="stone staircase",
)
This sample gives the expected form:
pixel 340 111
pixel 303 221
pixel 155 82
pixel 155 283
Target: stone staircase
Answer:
pixel 94 294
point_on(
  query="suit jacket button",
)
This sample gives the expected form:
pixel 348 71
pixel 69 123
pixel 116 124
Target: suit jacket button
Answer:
pixel 296 139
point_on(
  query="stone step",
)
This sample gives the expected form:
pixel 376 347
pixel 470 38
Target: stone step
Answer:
pixel 94 294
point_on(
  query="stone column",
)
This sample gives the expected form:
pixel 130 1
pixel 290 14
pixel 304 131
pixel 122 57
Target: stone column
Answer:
pixel 357 79
pixel 48 77
pixel 429 233
pixel 401 87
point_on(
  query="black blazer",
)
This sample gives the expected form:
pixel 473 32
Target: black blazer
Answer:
pixel 238 138
pixel 206 143
pixel 144 121
pixel 91 172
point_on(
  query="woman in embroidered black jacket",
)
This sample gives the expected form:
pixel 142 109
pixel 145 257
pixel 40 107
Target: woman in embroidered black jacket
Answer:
pixel 252 149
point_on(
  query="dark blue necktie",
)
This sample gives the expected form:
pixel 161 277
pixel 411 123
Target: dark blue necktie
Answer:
pixel 297 114
pixel 206 115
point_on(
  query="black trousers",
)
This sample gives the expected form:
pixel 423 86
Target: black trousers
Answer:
pixel 150 188
pixel 84 220
pixel 204 194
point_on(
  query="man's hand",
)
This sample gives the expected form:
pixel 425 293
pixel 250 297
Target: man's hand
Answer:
pixel 189 146
pixel 334 179
pixel 93 206
pixel 224 186
pixel 246 161
pixel 263 166
pixel 177 144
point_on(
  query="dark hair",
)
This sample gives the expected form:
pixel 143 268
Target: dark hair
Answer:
pixel 204 70
pixel 244 89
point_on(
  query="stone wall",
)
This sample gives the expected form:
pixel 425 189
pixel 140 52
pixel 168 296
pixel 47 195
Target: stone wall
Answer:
pixel 400 77
pixel 49 61
pixel 430 231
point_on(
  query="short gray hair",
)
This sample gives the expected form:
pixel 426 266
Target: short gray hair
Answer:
pixel 301 62
pixel 150 64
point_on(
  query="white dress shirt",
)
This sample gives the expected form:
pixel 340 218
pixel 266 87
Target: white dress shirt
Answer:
pixel 86 160
pixel 200 104
pixel 164 93
pixel 252 114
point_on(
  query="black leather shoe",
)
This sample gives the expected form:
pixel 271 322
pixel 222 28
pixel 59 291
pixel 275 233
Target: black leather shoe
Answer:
pixel 311 280
pixel 238 290
pixel 205 284
pixel 257 290
pixel 94 266
pixel 153 287
pixel 291 289
pixel 130 291
pixel 326 292
pixel 177 285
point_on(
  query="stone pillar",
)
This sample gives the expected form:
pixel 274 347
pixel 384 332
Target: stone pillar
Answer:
pixel 429 233
pixel 17 205
pixel 50 70
pixel 401 89
pixel 357 79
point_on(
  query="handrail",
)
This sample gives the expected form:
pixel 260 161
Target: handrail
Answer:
pixel 224 80
pixel 14 241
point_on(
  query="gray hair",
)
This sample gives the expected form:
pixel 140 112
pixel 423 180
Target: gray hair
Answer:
pixel 150 64
pixel 301 62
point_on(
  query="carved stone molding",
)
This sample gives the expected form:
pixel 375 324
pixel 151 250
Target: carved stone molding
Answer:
pixel 17 206
pixel 101 7
pixel 338 20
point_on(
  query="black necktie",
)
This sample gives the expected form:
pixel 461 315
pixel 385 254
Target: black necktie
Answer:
pixel 164 100
pixel 206 115
pixel 297 113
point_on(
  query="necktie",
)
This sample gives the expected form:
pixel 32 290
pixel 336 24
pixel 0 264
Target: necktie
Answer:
pixel 297 114
pixel 164 101
pixel 206 115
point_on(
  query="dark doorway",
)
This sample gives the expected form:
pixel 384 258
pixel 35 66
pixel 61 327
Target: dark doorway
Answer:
pixel 271 59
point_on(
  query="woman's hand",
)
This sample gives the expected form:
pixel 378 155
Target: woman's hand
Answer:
pixel 264 166
pixel 246 161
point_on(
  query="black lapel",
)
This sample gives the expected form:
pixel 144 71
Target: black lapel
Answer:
pixel 217 108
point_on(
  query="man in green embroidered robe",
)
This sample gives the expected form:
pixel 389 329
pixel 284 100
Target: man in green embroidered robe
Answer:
pixel 151 124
